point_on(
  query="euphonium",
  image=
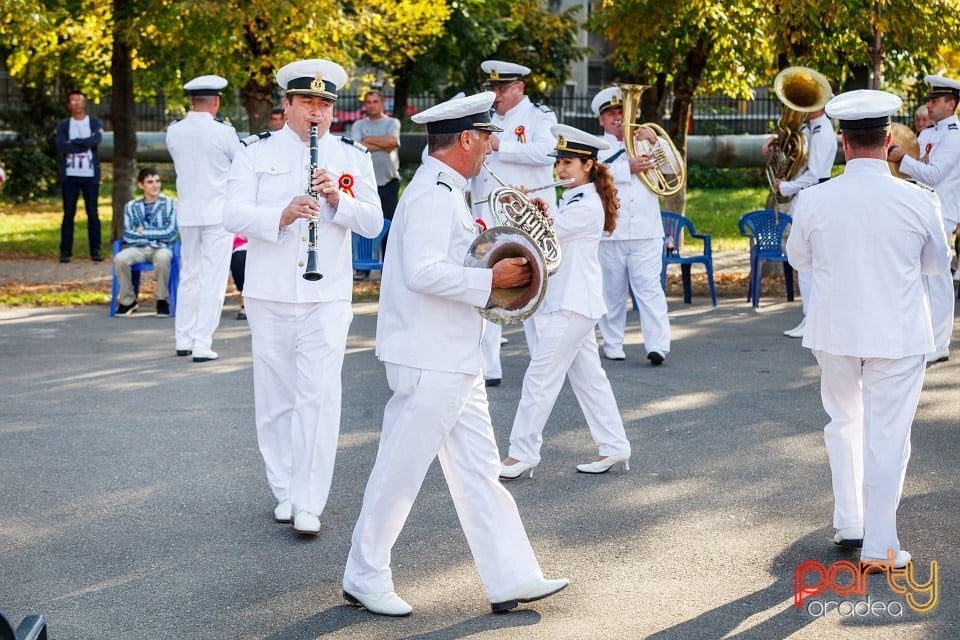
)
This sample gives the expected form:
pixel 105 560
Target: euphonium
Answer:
pixel 312 272
pixel 802 91
pixel 669 174
pixel 522 230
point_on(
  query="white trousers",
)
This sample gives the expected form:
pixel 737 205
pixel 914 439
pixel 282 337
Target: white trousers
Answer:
pixel 435 413
pixel 942 300
pixel 805 280
pixel 871 403
pixel 297 359
pixel 204 268
pixel 565 344
pixel 490 350
pixel 123 263
pixel 636 264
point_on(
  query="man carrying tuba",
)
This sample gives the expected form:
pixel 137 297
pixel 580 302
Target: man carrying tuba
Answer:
pixel 804 93
pixel 631 256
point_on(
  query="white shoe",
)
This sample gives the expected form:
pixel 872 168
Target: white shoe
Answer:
pixel 515 470
pixel 387 603
pixel 797 331
pixel 900 560
pixel 850 537
pixel 614 353
pixel 938 356
pixel 204 355
pixel 528 593
pixel 284 511
pixel 603 465
pixel 306 522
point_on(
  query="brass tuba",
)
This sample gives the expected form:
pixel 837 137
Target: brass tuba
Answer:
pixel 801 90
pixel 669 175
pixel 522 230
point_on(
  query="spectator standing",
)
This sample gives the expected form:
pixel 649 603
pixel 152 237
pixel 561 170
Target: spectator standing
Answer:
pixel 380 133
pixel 202 148
pixel 277 119
pixel 78 138
pixel 149 230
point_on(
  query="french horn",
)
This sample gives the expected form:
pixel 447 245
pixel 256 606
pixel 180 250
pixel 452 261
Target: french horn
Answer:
pixel 668 176
pixel 522 231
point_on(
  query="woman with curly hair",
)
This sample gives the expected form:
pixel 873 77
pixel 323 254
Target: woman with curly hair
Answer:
pixel 565 343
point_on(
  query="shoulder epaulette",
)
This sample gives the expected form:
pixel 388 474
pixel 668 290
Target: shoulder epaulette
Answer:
pixel 445 180
pixel 816 129
pixel 254 138
pixel 953 126
pixel 920 184
pixel 544 108
pixel 175 121
pixel 576 198
pixel 353 143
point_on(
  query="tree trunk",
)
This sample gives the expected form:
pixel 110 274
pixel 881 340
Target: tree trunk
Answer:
pixel 684 86
pixel 401 92
pixel 257 99
pixel 123 117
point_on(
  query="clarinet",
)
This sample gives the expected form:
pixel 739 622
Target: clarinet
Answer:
pixel 312 273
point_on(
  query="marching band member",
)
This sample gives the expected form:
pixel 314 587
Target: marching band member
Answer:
pixel 632 255
pixel 939 167
pixel 428 337
pixel 868 324
pixel 202 149
pixel 564 342
pixel 299 327
pixel 519 158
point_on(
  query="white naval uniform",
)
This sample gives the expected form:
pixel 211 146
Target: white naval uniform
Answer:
pixel 428 336
pixel 867 237
pixel 632 258
pixel 299 327
pixel 565 342
pixel 521 160
pixel 202 149
pixel 939 167
pixel 821 153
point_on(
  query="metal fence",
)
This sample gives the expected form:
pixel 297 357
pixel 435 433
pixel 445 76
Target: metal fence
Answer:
pixel 712 115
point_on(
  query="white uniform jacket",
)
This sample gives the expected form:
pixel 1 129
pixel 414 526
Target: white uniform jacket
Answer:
pixel 821 154
pixel 867 237
pixel 941 170
pixel 424 283
pixel 202 149
pixel 263 180
pixel 578 284
pixel 639 217
pixel 522 158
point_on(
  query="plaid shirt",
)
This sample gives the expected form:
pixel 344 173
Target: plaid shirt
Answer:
pixel 159 229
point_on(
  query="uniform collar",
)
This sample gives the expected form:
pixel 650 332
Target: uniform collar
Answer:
pixel 437 165
pixel 867 165
pixel 942 125
pixel 524 103
pixel 584 188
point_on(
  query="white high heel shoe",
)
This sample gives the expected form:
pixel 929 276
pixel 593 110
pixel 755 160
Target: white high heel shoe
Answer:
pixel 604 465
pixel 515 470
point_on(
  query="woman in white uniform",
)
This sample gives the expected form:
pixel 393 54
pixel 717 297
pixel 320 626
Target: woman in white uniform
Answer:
pixel 565 343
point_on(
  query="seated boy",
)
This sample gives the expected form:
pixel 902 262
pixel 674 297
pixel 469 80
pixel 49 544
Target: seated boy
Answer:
pixel 149 229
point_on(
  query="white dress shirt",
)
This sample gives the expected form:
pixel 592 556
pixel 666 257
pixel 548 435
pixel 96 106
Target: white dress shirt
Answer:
pixel 202 149
pixel 821 153
pixel 263 180
pixel 639 207
pixel 868 299
pixel 941 170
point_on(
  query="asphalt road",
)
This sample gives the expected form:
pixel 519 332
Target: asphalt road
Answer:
pixel 133 502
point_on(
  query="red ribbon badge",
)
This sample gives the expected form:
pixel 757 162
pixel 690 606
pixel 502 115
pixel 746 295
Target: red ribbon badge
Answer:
pixel 929 146
pixel 520 131
pixel 481 225
pixel 346 184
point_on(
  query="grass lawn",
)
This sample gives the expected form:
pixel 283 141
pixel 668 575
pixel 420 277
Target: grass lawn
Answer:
pixel 32 230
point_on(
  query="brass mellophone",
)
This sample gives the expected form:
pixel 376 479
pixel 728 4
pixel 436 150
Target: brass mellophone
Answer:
pixel 312 272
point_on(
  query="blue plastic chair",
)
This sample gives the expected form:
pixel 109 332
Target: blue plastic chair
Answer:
pixel 137 269
pixel 675 226
pixel 366 251
pixel 766 229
